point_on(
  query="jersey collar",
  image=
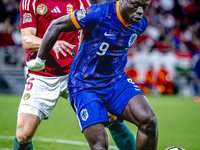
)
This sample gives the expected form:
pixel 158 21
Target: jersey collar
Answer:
pixel 119 15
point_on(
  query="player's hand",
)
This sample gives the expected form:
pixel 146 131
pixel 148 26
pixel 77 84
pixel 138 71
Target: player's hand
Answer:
pixel 36 64
pixel 62 47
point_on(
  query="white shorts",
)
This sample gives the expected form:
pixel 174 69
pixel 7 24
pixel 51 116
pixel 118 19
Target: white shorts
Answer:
pixel 41 95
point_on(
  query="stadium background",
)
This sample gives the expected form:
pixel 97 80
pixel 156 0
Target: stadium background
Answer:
pixel 171 41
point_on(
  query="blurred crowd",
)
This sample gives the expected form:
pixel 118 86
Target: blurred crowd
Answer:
pixel 155 82
pixel 173 25
pixel 10 23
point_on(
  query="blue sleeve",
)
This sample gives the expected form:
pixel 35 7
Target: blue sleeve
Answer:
pixel 88 18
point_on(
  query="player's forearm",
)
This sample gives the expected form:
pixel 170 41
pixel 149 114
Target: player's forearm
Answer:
pixel 48 41
pixel 62 24
pixel 31 42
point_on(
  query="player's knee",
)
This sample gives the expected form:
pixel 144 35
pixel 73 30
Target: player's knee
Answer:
pixel 100 145
pixel 96 136
pixel 149 125
pixel 24 137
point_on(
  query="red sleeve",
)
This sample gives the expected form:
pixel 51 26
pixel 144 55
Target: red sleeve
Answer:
pixel 84 4
pixel 27 14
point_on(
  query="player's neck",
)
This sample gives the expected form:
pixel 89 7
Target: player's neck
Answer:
pixel 121 12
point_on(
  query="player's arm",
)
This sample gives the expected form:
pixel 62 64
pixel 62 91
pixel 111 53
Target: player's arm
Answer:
pixel 31 42
pixel 62 24
pixel 29 39
pixel 28 26
pixel 79 19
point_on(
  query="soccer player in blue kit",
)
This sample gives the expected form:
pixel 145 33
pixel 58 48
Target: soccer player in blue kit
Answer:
pixel 97 81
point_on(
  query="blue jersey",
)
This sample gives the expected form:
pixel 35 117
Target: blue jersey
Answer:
pixel 102 55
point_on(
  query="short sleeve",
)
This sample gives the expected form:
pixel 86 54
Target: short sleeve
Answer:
pixel 84 4
pixel 27 15
pixel 87 18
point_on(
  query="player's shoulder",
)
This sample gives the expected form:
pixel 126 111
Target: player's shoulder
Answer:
pixel 101 9
pixel 27 4
pixel 145 20
pixel 103 6
pixel 108 5
pixel 86 3
pixel 142 25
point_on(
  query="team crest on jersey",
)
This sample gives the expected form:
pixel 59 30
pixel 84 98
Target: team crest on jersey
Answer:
pixel 69 8
pixel 80 14
pixel 41 9
pixel 132 39
pixel 27 17
pixel 26 96
pixel 84 114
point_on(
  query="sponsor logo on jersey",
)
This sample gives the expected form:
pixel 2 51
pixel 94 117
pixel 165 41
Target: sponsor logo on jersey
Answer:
pixel 80 14
pixel 56 10
pixel 69 8
pixel 27 17
pixel 108 34
pixel 84 114
pixel 132 39
pixel 41 9
pixel 26 96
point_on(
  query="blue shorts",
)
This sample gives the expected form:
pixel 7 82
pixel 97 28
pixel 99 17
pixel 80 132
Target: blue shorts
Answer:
pixel 91 105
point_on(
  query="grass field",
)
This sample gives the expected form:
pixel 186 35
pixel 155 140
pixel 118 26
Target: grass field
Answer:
pixel 178 123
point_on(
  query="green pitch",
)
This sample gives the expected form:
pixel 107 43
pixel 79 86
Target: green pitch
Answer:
pixel 178 123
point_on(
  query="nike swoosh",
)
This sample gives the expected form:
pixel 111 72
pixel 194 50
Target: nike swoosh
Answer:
pixel 107 34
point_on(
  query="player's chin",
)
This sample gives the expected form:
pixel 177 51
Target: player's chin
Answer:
pixel 135 21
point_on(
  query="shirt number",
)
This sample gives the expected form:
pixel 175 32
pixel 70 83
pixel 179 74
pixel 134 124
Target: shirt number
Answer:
pixel 103 48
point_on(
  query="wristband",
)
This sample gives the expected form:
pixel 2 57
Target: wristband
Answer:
pixel 36 64
pixel 40 61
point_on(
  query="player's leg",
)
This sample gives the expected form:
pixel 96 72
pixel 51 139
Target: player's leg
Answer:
pixel 26 127
pixel 129 103
pixel 92 116
pixel 121 134
pixel 139 112
pixel 96 136
pixel 34 107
